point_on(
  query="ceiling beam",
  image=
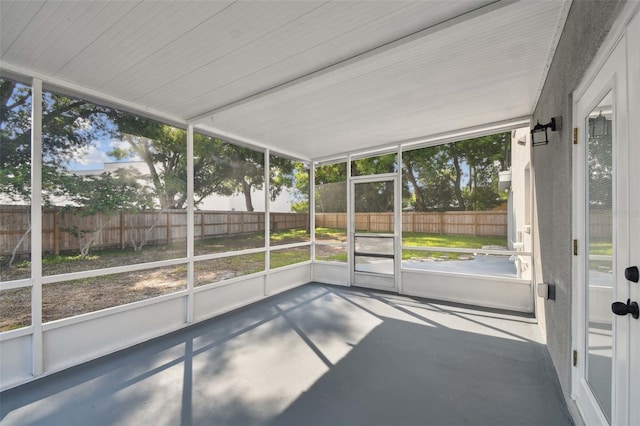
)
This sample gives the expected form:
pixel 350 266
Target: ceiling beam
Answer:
pixel 435 139
pixel 467 16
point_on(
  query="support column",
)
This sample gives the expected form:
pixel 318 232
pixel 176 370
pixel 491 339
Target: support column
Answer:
pixel 190 225
pixel 36 226
pixel 267 221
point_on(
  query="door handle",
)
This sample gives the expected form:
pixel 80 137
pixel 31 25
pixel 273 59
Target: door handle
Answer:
pixel 623 309
pixel 631 274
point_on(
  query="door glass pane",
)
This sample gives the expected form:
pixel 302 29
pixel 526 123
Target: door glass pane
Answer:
pixel 374 207
pixel 600 251
pixel 374 245
pixel 374 214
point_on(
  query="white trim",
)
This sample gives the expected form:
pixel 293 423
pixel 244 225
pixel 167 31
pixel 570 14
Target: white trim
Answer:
pixel 36 226
pixel 190 225
pixel 292 266
pixel 15 334
pixel 224 254
pixel 289 246
pixel 382 177
pixel 267 219
pixel 10 285
pixel 470 251
pixel 467 133
pixel 230 281
pixel 330 262
pixel 312 211
pixel 474 276
pixel 50 279
pixel 432 140
pixel 373 151
pixel 350 226
pixel 331 243
pixel 397 217
pixel 52 325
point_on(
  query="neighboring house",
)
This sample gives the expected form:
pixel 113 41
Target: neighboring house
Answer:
pixel 236 202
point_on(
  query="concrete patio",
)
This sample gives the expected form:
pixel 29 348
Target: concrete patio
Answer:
pixel 320 355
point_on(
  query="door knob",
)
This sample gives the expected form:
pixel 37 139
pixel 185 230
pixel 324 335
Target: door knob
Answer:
pixel 623 309
pixel 631 274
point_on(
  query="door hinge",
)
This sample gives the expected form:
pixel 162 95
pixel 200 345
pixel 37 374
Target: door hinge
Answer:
pixel 575 136
pixel 575 358
pixel 575 247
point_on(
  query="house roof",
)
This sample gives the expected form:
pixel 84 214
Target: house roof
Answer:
pixel 307 78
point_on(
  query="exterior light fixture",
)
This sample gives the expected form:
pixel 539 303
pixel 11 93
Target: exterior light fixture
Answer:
pixel 598 127
pixel 539 133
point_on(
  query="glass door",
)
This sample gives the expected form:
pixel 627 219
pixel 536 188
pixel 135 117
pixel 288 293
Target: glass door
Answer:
pixel 600 252
pixel 605 193
pixel 374 233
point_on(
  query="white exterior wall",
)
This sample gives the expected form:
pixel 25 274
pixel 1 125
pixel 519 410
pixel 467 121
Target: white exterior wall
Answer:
pixel 520 197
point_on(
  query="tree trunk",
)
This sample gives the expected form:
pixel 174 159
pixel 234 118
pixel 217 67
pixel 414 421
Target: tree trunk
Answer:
pixel 420 201
pixel 17 246
pixel 458 190
pixel 246 190
pixel 84 249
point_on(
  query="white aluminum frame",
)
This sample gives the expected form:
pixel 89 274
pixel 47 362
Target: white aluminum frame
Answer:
pixel 397 231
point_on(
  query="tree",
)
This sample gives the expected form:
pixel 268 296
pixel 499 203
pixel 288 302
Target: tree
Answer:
pixel 106 194
pixel 65 130
pixel 456 176
pixel 219 167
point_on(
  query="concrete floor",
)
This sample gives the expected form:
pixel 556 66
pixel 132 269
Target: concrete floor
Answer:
pixel 317 355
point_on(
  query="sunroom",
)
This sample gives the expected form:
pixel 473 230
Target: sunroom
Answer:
pixel 350 170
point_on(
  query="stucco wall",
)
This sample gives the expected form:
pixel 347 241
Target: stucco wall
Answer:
pixel 587 25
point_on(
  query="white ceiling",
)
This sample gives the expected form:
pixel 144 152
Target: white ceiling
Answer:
pixel 308 78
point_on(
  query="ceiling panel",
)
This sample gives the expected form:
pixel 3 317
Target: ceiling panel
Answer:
pixel 308 77
pixel 477 72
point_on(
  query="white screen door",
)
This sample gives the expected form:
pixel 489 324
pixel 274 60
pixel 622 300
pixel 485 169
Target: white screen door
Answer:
pixel 374 232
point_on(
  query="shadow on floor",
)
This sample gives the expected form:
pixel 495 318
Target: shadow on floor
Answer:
pixel 315 355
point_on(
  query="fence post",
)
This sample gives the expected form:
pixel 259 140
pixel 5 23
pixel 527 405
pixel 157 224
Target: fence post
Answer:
pixel 56 232
pixel 228 223
pixel 202 225
pixel 475 223
pixel 168 227
pixel 121 230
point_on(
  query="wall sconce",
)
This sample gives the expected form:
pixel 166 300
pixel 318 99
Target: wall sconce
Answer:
pixel 539 133
pixel 598 127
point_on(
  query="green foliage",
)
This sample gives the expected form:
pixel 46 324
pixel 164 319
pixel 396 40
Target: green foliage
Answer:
pixel 456 176
pixel 385 163
pixel 331 188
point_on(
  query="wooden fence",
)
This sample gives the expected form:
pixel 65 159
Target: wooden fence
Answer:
pixel 119 231
pixel 484 223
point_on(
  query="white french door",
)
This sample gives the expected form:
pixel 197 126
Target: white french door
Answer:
pixel 607 226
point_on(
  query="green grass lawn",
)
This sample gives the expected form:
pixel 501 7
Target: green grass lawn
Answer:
pixel 449 241
pixel 99 259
